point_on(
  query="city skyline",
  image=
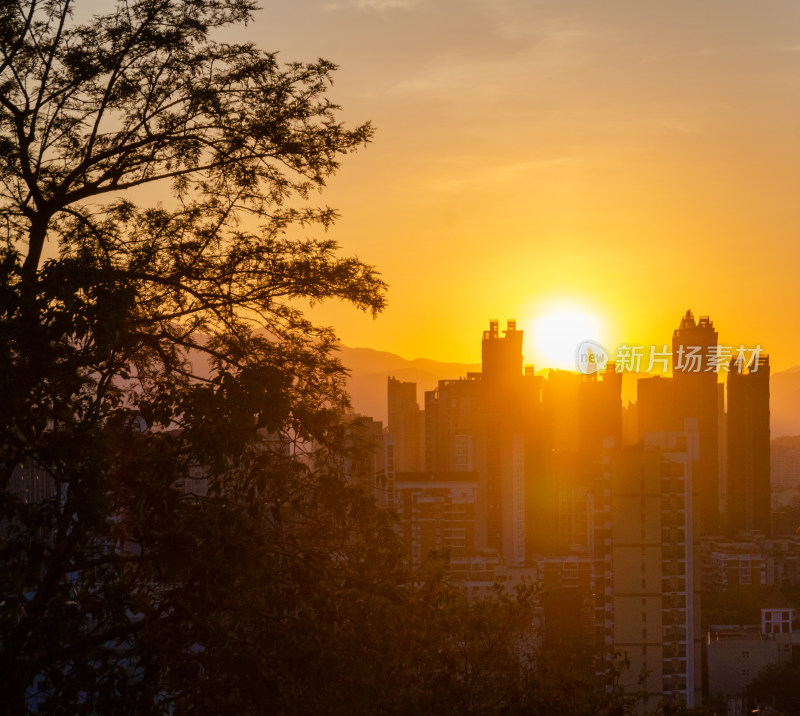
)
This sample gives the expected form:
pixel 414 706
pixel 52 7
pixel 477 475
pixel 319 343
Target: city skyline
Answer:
pixel 511 474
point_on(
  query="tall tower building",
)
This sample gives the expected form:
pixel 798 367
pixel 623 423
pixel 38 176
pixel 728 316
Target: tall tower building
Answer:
pixel 749 494
pixel 479 424
pixel 450 423
pixel 501 356
pixel 502 427
pixel 646 571
pixel 696 395
pixel 578 413
pixel 406 424
pixel 599 410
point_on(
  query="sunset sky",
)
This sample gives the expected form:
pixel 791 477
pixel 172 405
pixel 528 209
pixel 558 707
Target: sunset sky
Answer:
pixel 626 160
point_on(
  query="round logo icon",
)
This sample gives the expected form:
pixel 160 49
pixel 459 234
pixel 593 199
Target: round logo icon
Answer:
pixel 590 357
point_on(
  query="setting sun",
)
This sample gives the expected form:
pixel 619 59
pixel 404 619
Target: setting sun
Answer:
pixel 554 336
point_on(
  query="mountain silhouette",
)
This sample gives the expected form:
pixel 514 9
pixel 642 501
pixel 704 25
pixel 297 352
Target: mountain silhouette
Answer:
pixel 369 370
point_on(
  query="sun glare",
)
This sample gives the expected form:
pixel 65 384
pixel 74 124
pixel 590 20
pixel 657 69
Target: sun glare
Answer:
pixel 556 335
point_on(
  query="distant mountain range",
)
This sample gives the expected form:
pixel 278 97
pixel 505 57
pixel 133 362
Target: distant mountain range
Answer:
pixel 371 368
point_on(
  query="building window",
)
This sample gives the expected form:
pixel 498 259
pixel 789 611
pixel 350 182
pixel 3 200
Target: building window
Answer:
pixel 745 576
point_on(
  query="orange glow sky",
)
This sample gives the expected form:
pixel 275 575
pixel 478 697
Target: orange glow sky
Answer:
pixel 630 159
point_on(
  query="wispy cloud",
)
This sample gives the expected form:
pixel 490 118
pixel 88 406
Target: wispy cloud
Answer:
pixel 471 174
pixel 374 5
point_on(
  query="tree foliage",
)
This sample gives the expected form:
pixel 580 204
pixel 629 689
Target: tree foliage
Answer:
pixel 775 687
pixel 148 316
pixel 144 347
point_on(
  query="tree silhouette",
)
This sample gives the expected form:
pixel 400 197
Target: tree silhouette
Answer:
pixel 192 543
pixel 181 318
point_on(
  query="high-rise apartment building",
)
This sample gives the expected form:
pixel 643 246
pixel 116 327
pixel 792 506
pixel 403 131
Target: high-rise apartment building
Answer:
pixel 646 573
pixel 697 395
pixel 407 425
pixel 692 392
pixel 480 424
pixel 748 484
pixel 501 356
pixel 436 513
